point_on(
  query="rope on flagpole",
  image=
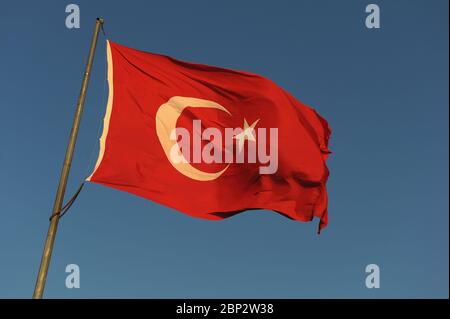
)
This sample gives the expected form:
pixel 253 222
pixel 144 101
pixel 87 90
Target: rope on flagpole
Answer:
pixel 69 203
pixel 103 31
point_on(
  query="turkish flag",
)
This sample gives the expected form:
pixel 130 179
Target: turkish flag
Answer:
pixel 208 141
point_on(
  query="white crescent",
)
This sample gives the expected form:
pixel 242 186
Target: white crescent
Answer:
pixel 166 120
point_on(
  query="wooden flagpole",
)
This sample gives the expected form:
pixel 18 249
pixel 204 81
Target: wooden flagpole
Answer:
pixel 51 234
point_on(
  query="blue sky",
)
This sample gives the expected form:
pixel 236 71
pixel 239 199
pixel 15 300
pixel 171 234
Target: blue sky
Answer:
pixel 384 93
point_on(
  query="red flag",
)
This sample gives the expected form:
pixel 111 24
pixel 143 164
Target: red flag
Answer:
pixel 208 141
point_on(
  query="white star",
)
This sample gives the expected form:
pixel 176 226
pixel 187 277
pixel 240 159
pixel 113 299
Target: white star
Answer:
pixel 246 134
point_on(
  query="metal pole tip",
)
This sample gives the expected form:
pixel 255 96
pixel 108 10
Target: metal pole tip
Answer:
pixel 100 20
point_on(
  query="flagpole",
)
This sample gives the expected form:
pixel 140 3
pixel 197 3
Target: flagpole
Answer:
pixel 51 234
